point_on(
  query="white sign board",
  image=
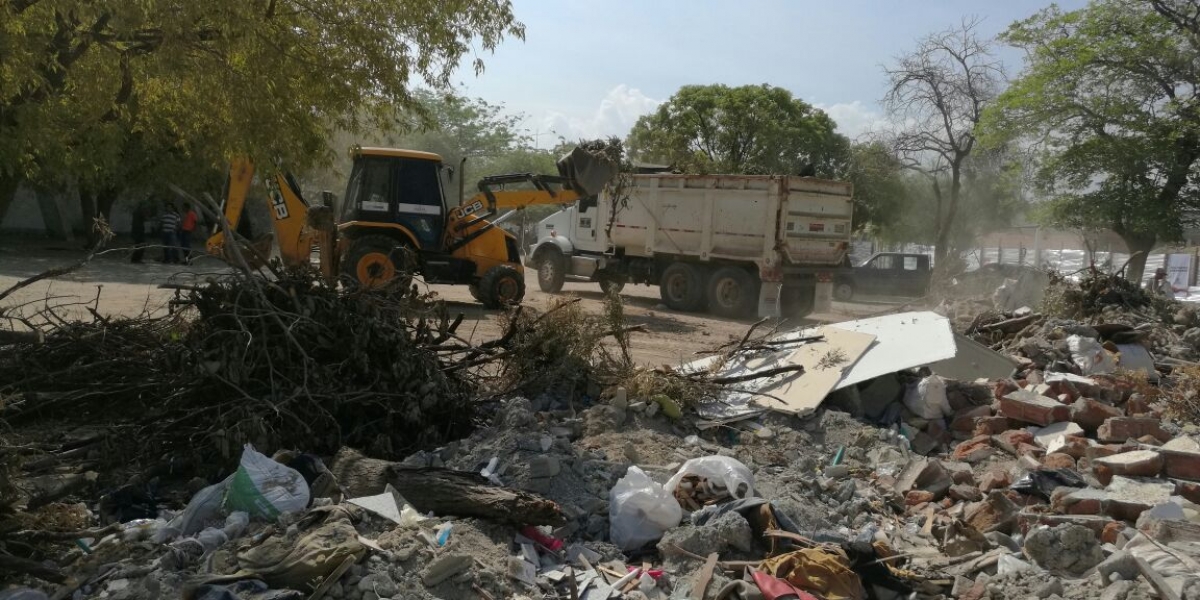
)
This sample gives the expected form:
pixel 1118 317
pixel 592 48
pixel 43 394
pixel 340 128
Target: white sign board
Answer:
pixel 1179 270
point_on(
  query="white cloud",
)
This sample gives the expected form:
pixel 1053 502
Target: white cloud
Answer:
pixel 854 118
pixel 618 111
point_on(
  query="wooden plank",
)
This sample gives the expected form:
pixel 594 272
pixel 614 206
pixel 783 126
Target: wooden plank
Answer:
pixel 927 529
pixel 706 573
pixel 1157 581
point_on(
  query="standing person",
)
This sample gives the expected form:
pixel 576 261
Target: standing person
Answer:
pixel 137 230
pixel 186 227
pixel 1161 285
pixel 168 228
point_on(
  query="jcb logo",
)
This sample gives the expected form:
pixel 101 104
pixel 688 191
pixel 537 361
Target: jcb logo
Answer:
pixel 277 203
pixel 473 208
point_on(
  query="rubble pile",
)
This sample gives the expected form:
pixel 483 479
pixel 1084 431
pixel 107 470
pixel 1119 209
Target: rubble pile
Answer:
pixel 1076 475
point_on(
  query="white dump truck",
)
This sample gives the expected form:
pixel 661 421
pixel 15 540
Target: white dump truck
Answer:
pixel 731 244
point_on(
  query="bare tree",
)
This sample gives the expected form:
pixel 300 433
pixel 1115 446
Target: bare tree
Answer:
pixel 936 96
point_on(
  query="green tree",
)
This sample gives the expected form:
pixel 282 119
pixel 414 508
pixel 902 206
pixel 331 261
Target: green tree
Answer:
pixel 93 91
pixel 938 93
pixel 881 193
pixel 1109 100
pixel 749 129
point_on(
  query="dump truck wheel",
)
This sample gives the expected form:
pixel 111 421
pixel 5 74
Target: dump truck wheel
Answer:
pixel 552 271
pixel 370 262
pixel 843 291
pixel 797 302
pixel 611 284
pixel 474 289
pixel 682 287
pixel 501 286
pixel 732 292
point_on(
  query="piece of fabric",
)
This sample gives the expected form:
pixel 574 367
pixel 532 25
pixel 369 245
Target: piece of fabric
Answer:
pixel 825 571
pixel 189 221
pixel 773 588
pixel 328 538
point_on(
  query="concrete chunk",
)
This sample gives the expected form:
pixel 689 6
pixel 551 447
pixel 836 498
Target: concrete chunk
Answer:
pixel 1046 435
pixel 445 567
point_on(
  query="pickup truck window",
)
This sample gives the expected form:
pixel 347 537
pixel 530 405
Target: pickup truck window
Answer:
pixel 910 263
pixel 882 262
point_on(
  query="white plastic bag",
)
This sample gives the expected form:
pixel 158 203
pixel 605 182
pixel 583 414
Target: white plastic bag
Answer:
pixel 927 399
pixel 640 511
pixel 728 472
pixel 1090 356
pixel 265 488
pixel 204 507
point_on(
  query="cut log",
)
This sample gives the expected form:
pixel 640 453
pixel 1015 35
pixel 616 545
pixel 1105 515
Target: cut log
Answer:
pixel 1011 325
pixel 443 491
pixel 23 566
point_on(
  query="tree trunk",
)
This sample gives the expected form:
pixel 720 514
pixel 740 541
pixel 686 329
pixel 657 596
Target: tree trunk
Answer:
pixel 8 193
pixel 1140 245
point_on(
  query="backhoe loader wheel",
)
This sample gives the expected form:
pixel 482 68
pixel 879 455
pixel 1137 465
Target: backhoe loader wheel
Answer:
pixel 501 286
pixel 552 271
pixel 372 262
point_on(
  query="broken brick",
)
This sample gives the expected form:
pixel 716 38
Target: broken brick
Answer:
pixel 1189 490
pixel 1111 531
pixel 995 480
pixel 960 472
pixel 1004 387
pixel 1091 414
pixel 1033 408
pixel 976 449
pixel 1058 460
pixel 1094 452
pixel 917 497
pixel 1010 441
pixel 964 420
pixel 1149 440
pixel 1139 463
pixel 1075 447
pixel 995 513
pixel 1032 450
pixel 1120 429
pixel 990 425
pixel 1124 499
pixel 1181 464
pixel 1137 405
pixel 1029 520
pixel 965 493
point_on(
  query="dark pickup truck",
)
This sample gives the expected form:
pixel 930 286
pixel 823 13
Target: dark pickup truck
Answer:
pixel 885 274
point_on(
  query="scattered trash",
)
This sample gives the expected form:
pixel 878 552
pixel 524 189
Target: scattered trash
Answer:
pixel 640 510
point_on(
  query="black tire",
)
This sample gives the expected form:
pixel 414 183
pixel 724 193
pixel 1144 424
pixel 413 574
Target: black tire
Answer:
pixel 682 287
pixel 611 283
pixel 474 289
pixel 733 293
pixel 797 302
pixel 501 286
pixel 552 271
pixel 843 290
pixel 374 261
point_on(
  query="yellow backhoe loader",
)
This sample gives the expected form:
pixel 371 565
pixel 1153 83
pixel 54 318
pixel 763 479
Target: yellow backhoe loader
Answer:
pixel 394 221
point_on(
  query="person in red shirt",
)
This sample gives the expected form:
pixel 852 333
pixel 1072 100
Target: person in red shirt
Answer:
pixel 186 226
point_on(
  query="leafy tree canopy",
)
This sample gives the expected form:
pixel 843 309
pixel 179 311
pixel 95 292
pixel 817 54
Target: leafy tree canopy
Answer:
pixel 1109 100
pixel 752 129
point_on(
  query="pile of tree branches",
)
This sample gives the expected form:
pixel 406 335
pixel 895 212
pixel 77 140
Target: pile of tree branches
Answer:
pixel 287 362
pixel 1097 291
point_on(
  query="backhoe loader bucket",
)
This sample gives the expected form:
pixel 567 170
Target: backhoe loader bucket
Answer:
pixel 587 173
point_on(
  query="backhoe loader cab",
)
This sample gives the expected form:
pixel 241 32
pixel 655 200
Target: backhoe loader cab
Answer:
pixel 393 221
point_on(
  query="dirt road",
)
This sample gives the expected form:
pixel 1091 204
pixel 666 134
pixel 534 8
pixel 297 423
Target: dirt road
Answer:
pixel 114 287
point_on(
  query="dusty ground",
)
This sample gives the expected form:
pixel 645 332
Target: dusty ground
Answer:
pixel 114 287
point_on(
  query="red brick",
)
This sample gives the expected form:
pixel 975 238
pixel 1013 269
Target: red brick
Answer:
pixel 1101 451
pixel 1139 463
pixel 1010 441
pixel 1003 387
pixel 964 420
pixel 1103 473
pixel 1076 447
pixel 1137 405
pixel 1033 408
pixel 965 493
pixel 990 425
pixel 1090 414
pixel 1189 490
pixel 1111 531
pixel 1058 460
pixel 976 449
pixel 1120 429
pixel 916 497
pixel 1149 440
pixel 995 480
pixel 1181 465
pixel 995 513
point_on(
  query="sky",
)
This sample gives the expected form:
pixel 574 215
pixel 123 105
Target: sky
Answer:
pixel 590 68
